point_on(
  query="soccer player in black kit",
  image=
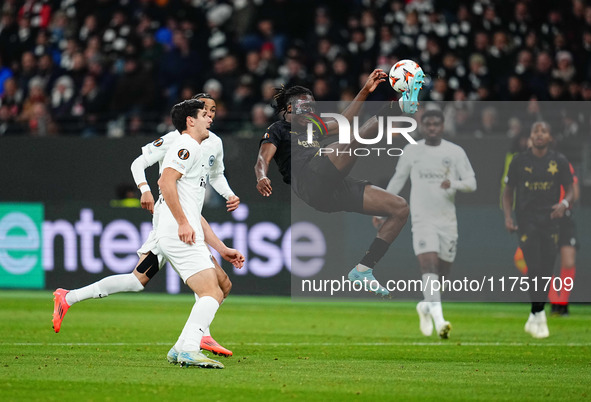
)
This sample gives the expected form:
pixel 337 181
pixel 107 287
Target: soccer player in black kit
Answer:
pixel 322 181
pixel 536 176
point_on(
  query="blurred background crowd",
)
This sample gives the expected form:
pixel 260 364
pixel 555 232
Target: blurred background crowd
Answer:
pixel 115 67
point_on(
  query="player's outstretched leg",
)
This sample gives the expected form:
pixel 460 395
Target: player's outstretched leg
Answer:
pixel 409 102
pixel 60 308
pixel 378 202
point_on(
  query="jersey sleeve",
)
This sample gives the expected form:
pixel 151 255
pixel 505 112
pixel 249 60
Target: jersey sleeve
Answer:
pixel 181 156
pixel 216 175
pixel 156 150
pixel 274 135
pixel 466 181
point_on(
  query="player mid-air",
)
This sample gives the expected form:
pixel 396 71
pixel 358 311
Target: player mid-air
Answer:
pixel 322 180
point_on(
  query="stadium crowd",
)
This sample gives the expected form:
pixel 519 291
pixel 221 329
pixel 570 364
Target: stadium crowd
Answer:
pixel 115 67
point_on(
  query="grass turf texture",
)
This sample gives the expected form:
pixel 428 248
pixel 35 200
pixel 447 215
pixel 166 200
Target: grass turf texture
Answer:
pixel 115 349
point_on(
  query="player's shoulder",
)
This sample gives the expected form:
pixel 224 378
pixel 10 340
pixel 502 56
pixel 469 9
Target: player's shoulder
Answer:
pixel 452 146
pixel 167 139
pixel 279 126
pixel 558 156
pixel 411 148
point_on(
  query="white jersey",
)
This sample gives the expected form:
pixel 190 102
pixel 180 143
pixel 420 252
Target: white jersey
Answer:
pixel 185 156
pixel 211 148
pixel 428 166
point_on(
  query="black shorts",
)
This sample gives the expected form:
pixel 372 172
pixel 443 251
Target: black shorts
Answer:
pixel 322 186
pixel 567 234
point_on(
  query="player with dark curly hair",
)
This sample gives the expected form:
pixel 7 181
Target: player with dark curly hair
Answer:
pixel 322 180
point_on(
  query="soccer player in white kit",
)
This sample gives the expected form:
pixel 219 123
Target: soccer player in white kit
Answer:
pixel 179 235
pixel 149 264
pixel 437 169
pixel 213 151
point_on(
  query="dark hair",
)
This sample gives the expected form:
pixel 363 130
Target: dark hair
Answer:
pixel 283 97
pixel 180 111
pixel 203 95
pixel 543 123
pixel 433 113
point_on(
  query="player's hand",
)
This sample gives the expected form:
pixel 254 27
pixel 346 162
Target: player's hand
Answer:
pixel 147 201
pixel 234 257
pixel 376 77
pixel 558 210
pixel 445 184
pixel 510 225
pixel 186 233
pixel 264 187
pixel 232 203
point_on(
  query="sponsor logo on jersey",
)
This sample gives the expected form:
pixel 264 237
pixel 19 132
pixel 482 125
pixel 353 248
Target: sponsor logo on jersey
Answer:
pixel 266 136
pixel 158 142
pixel 211 160
pixel 183 154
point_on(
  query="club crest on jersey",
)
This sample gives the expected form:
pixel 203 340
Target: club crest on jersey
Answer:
pixel 183 154
pixel 446 162
pixel 553 167
pixel 158 142
pixel 211 160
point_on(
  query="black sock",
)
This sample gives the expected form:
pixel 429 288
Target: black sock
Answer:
pixel 536 307
pixel 375 253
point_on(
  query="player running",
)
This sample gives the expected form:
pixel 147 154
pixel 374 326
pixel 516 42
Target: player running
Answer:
pixel 536 176
pixel 437 169
pixel 149 264
pixel 179 238
pixel 322 181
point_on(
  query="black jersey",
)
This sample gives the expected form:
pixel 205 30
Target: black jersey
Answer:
pixel 293 149
pixel 537 182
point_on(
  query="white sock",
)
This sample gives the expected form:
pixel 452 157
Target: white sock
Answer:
pixel 199 320
pixel 206 332
pixel 433 298
pixel 362 268
pixel 105 287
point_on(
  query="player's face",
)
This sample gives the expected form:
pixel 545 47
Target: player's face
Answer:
pixel 301 107
pixel 540 136
pixel 432 128
pixel 202 121
pixel 210 107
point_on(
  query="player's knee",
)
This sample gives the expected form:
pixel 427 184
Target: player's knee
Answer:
pixel 398 207
pixel 226 287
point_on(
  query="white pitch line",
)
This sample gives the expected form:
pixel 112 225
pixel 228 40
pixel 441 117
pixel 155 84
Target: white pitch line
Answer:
pixel 296 344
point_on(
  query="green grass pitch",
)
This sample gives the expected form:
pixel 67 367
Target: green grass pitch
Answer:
pixel 115 349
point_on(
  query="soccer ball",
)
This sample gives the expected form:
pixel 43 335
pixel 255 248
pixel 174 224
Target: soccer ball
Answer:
pixel 402 73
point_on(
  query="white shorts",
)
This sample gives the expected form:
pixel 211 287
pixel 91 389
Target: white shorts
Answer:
pixel 186 259
pixel 430 238
pixel 151 245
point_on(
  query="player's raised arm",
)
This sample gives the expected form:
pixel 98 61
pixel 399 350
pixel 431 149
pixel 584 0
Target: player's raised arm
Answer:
pixel 266 153
pixel 376 77
pixel 168 187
